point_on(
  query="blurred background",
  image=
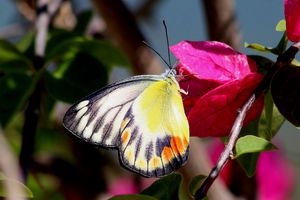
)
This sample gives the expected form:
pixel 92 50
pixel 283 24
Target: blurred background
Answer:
pixel 56 165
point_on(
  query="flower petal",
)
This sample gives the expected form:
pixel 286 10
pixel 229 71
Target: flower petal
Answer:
pixel 122 185
pixel 214 113
pixel 218 80
pixel 211 60
pixel 275 176
pixel 292 17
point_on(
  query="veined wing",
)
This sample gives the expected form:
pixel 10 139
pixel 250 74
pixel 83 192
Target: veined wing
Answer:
pixel 97 118
pixel 155 132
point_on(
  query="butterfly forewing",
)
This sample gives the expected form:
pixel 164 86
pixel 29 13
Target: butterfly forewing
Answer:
pixel 98 117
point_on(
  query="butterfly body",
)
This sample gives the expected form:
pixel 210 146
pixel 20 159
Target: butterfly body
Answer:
pixel 142 116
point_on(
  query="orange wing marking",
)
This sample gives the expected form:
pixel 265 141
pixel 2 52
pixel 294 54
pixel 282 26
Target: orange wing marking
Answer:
pixel 125 136
pixel 167 154
pixel 179 145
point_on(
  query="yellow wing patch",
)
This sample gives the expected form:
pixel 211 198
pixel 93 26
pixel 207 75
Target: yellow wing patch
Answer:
pixel 159 130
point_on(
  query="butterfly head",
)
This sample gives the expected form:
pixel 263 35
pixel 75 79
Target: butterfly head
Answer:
pixel 170 73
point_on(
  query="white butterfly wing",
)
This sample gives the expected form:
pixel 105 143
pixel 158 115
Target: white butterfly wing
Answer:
pixel 97 118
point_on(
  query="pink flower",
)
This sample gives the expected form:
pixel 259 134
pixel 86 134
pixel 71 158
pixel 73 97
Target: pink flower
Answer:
pixel 128 185
pixel 275 176
pixel 292 17
pixel 122 186
pixel 218 80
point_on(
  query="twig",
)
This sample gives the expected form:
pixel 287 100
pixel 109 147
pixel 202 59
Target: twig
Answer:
pixel 222 22
pixel 146 10
pixel 124 30
pixel 29 129
pixel 228 151
pixel 227 154
pixel 202 165
pixel 44 14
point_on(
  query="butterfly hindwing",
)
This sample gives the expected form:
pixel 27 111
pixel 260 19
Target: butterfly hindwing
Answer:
pixel 98 117
pixel 155 133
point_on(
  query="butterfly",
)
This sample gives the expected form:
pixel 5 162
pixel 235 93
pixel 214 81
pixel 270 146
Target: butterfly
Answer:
pixel 142 117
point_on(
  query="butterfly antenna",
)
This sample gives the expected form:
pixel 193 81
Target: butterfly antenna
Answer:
pixel 145 43
pixel 168 43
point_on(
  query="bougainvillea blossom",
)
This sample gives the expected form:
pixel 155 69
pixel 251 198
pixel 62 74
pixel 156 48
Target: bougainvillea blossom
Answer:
pixel 292 17
pixel 219 80
pixel 122 186
pixel 275 175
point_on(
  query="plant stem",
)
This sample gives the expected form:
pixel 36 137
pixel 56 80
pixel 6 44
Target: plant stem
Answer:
pixel 228 151
pixel 222 22
pixel 44 13
pixel 29 130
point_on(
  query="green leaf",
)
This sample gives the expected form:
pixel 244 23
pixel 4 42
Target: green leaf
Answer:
pixel 195 184
pixel 80 75
pixel 56 38
pixel 281 26
pixel 250 129
pixel 8 48
pixel 11 59
pixel 82 68
pixel 279 49
pixel 102 51
pixel 166 188
pixel 49 191
pixel 27 42
pixel 252 144
pixel 263 63
pixel 270 120
pixel 46 137
pixel 257 47
pixel 83 20
pixel 16 184
pixel 248 163
pixel 281 46
pixel 15 88
pixel 285 89
pixel 133 197
pixel 269 109
pixel 296 62
pixel 265 127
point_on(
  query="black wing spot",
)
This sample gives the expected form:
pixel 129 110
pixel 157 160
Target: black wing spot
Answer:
pixel 138 147
pixel 149 152
pixel 161 143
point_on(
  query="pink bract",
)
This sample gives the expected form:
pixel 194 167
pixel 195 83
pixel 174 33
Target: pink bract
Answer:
pixel 218 80
pixel 122 186
pixel 292 17
pixel 275 176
